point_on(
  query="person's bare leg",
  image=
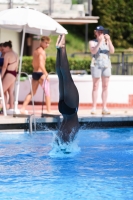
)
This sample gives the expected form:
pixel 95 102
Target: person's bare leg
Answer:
pixel 47 97
pixel 48 104
pixel 95 91
pixel 6 101
pixel 105 82
pixel 8 80
pixel 11 96
pixel 29 96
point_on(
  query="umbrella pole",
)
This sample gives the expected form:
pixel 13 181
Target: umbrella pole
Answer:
pixel 20 67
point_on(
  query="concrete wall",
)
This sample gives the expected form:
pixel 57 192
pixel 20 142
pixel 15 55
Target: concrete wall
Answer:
pixel 6 35
pixel 40 5
pixel 120 90
pixel 5 4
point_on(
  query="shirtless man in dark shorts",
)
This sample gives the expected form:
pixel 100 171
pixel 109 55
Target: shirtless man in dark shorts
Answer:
pixel 39 74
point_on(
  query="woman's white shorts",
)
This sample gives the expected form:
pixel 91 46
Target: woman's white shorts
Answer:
pixel 99 72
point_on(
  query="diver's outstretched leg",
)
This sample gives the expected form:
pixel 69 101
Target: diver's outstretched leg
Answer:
pixel 69 98
pixel 60 77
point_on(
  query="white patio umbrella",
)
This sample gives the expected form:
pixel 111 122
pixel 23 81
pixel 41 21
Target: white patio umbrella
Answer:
pixel 28 21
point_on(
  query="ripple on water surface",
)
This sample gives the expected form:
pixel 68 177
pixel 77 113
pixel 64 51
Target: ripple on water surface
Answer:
pixel 98 166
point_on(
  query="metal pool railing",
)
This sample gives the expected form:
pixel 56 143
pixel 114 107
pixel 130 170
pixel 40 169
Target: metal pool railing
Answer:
pixel 43 122
pixel 32 117
pixel 122 63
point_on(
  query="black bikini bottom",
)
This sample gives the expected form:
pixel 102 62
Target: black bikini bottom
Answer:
pixel 36 75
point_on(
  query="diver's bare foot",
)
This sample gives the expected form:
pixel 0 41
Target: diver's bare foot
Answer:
pixel 62 41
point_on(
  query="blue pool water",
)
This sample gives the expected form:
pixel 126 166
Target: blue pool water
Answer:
pixel 99 168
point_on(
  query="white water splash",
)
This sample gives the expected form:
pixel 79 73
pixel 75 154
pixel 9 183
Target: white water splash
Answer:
pixel 63 150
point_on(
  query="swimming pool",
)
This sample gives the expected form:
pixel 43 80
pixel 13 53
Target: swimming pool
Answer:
pixel 99 168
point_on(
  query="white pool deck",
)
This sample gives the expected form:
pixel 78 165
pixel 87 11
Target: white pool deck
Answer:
pixel 84 115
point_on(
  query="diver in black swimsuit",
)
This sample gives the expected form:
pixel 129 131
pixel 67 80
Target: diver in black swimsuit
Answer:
pixel 68 96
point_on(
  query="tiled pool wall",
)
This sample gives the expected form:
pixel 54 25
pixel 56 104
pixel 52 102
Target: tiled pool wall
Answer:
pixel 54 126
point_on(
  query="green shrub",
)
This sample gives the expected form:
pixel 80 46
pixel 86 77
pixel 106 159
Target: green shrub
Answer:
pixel 74 63
pixel 27 64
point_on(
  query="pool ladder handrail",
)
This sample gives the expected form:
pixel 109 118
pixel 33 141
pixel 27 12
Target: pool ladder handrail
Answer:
pixel 32 116
pixel 57 117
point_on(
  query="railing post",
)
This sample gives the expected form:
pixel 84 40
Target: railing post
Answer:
pixel 123 63
pixel 119 64
pixel 50 7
